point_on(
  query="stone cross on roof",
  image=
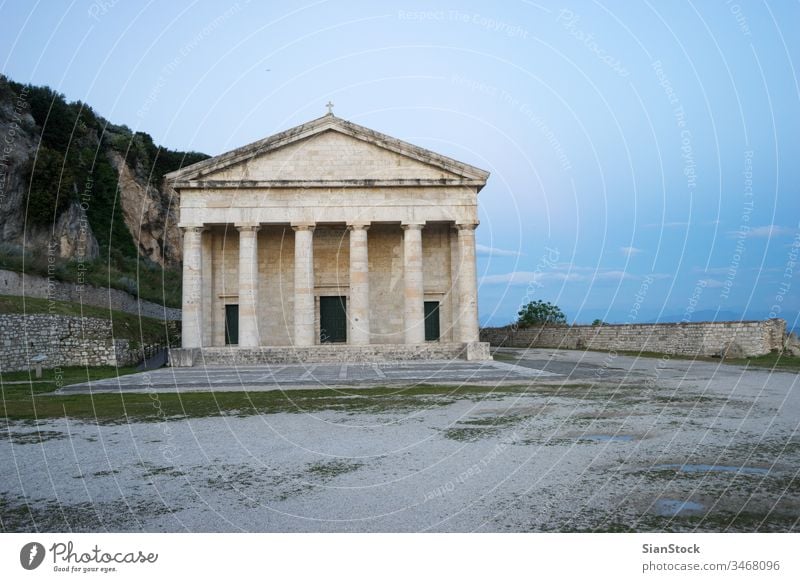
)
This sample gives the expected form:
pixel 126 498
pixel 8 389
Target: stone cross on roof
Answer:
pixel 329 105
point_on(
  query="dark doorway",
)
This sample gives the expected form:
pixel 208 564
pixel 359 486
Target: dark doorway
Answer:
pixel 431 321
pixel 231 324
pixel 332 319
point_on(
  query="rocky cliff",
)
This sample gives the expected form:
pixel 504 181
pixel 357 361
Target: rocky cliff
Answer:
pixel 75 185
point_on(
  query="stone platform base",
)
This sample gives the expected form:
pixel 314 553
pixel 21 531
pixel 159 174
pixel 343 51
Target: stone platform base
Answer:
pixel 329 353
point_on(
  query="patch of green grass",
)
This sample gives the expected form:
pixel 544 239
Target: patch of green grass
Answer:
pixel 686 399
pixel 469 434
pixel 34 437
pixel 744 521
pixel 21 515
pixel 472 429
pixel 327 470
pixel 506 357
pixel 153 470
pixel 124 325
pixel 35 401
pixel 141 276
pixel 55 378
pixel 614 527
pixel 106 473
pixel 772 360
pixel 492 420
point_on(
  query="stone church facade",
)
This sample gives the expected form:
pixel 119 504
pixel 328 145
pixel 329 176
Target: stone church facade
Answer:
pixel 328 242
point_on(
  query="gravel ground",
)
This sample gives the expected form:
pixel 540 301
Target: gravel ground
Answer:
pixel 607 444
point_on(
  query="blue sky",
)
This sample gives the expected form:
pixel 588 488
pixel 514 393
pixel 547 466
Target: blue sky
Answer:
pixel 644 155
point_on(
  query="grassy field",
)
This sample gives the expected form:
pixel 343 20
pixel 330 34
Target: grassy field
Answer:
pixel 35 399
pixel 144 278
pixel 773 360
pixel 125 325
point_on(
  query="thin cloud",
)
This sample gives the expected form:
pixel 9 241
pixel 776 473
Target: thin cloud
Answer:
pixel 487 251
pixel 528 277
pixel 630 251
pixel 612 276
pixel 713 283
pixel 682 224
pixel 517 278
pixel 767 231
pixel 712 270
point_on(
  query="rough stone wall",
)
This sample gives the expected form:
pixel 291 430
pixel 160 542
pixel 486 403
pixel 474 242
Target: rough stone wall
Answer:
pixel 726 338
pixel 11 283
pixel 65 340
pixel 149 213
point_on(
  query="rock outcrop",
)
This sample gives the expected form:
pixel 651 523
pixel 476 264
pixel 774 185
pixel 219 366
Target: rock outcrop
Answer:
pixel 150 214
pixel 85 145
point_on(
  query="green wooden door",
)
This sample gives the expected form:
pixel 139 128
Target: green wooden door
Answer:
pixel 231 324
pixel 431 321
pixel 332 319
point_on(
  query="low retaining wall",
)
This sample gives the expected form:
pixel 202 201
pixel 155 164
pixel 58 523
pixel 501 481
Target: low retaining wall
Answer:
pixel 723 338
pixel 322 354
pixel 11 283
pixel 65 340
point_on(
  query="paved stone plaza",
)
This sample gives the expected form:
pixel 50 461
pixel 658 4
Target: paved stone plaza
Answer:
pixel 600 443
pixel 298 376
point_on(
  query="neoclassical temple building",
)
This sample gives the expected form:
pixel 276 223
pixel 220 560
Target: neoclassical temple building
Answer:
pixel 328 242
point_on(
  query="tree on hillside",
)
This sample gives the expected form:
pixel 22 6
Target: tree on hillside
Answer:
pixel 51 184
pixel 541 313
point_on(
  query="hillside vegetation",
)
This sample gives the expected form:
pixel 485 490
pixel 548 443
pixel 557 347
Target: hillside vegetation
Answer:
pixel 84 198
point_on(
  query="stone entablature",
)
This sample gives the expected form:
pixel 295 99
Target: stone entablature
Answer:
pixel 329 209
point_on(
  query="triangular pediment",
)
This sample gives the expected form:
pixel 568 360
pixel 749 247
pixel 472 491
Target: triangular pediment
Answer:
pixel 328 151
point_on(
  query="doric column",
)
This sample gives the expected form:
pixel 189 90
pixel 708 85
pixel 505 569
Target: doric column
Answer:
pixel 303 284
pixel 207 293
pixel 455 259
pixel 467 284
pixel 359 284
pixel 248 285
pixel 192 309
pixel 414 308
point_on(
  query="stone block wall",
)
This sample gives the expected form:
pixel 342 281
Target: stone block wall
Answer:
pixel 11 283
pixel 65 340
pixel 722 338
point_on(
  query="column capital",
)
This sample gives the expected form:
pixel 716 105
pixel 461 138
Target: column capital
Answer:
pixel 248 226
pixel 192 227
pixel 467 225
pixel 412 225
pixel 358 225
pixel 297 226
